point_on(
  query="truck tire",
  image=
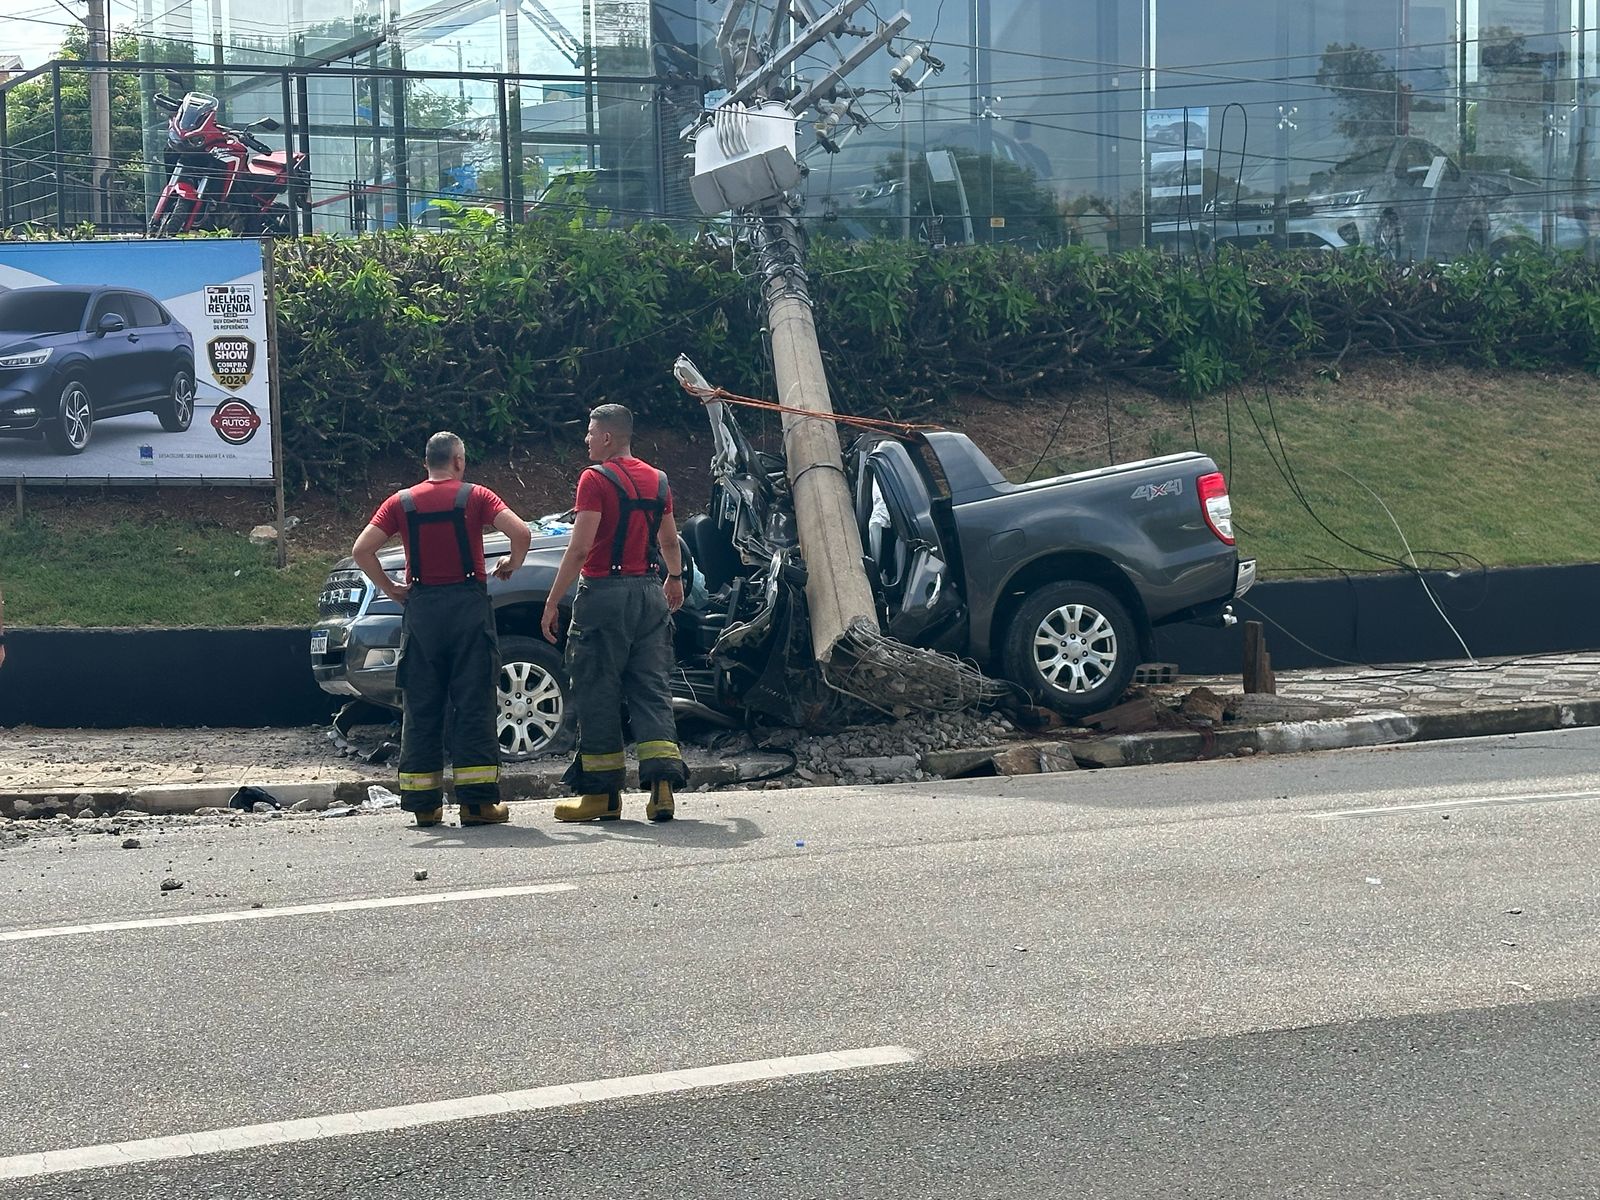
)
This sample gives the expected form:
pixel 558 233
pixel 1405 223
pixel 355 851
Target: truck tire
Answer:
pixel 534 714
pixel 1071 646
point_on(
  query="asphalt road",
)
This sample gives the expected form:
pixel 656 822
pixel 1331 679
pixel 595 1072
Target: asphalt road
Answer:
pixel 1365 973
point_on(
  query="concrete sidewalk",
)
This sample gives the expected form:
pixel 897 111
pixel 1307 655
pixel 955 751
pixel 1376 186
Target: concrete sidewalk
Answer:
pixel 51 771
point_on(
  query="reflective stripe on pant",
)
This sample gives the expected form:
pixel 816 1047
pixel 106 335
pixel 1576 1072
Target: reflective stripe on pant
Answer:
pixel 619 649
pixel 448 664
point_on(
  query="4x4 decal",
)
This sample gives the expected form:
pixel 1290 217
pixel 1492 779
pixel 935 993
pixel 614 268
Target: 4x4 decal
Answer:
pixel 1154 491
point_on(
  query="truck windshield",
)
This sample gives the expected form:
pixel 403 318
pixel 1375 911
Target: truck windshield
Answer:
pixel 31 311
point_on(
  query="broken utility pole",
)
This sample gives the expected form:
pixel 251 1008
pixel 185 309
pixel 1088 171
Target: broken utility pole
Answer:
pixel 746 160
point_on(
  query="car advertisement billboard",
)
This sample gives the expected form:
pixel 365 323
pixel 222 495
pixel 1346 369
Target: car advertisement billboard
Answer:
pixel 130 361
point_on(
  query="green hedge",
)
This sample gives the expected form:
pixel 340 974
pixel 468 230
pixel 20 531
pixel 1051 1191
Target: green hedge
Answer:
pixel 510 339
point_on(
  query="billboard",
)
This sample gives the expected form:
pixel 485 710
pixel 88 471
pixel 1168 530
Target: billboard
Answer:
pixel 1175 142
pixel 135 362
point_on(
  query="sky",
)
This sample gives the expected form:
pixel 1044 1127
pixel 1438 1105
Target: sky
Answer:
pixel 34 28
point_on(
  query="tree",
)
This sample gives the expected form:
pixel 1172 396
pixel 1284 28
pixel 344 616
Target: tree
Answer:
pixel 1369 93
pixel 31 109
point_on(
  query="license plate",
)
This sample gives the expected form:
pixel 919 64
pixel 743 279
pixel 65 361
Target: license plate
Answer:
pixel 319 642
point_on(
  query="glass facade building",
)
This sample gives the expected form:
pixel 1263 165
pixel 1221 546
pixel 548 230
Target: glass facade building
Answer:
pixel 1424 126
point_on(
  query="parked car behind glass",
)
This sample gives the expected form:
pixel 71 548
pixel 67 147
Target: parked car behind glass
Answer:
pixel 1376 199
pixel 1516 215
pixel 70 356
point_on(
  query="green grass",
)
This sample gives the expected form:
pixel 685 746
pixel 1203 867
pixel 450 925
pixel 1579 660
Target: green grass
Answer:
pixel 165 572
pixel 1507 472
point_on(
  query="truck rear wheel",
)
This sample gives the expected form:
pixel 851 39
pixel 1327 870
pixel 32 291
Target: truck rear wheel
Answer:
pixel 1071 646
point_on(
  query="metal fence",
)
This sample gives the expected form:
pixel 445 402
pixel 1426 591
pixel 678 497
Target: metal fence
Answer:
pixel 386 147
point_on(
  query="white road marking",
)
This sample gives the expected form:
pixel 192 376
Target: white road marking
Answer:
pixel 410 1116
pixel 295 910
pixel 1464 802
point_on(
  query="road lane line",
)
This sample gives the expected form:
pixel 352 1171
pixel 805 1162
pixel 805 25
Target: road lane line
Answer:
pixel 410 1116
pixel 295 910
pixel 1465 802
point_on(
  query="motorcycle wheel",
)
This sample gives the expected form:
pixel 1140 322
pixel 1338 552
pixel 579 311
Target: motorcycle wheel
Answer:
pixel 175 220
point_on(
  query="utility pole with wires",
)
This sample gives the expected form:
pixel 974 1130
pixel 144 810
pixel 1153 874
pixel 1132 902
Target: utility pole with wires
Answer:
pixel 97 29
pixel 747 160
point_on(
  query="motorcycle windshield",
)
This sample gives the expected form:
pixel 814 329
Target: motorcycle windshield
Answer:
pixel 194 110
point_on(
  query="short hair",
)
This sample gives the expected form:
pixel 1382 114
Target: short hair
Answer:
pixel 614 418
pixel 442 449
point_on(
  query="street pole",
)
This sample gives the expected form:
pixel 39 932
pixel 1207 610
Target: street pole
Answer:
pixel 99 111
pixel 837 593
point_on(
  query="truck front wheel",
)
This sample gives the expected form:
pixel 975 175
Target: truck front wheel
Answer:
pixel 535 710
pixel 1071 646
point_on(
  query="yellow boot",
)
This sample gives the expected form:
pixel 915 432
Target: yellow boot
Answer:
pixel 427 818
pixel 485 814
pixel 595 806
pixel 659 807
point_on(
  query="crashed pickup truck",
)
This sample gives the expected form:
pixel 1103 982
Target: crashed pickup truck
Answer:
pixel 1053 585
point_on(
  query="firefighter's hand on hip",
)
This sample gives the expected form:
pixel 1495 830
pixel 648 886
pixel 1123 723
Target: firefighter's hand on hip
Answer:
pixel 673 588
pixel 398 592
pixel 552 618
pixel 503 569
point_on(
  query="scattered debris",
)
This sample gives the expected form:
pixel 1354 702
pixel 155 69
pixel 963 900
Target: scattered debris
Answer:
pixel 170 884
pixel 132 843
pixel 254 799
pixel 379 797
pixel 1139 715
pixel 1513 912
pixel 1203 704
pixel 419 874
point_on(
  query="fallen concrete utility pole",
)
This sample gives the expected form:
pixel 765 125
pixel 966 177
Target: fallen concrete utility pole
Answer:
pixel 837 593
pixel 747 161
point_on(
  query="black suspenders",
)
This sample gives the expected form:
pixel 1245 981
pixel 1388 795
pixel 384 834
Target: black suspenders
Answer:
pixel 456 515
pixel 653 510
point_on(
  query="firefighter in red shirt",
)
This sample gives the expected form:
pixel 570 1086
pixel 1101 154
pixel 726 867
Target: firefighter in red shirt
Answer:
pixel 619 643
pixel 449 657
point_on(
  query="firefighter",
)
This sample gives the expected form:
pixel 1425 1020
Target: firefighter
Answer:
pixel 449 658
pixel 619 642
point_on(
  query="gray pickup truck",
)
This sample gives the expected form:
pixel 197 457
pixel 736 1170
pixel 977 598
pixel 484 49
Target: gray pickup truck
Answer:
pixel 1055 585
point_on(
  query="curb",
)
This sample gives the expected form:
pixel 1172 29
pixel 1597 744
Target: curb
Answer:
pixel 1286 737
pixel 184 799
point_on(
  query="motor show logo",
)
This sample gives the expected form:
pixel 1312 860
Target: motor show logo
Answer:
pixel 235 422
pixel 233 360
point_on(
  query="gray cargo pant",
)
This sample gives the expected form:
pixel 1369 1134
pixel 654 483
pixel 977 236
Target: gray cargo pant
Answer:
pixel 619 651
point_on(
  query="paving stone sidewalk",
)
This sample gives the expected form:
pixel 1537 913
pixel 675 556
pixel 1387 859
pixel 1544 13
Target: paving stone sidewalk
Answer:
pixel 1439 687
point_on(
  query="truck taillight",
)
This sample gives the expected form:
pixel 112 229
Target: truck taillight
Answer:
pixel 1216 506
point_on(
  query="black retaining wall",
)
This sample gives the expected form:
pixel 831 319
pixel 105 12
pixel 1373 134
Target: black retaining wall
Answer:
pixel 1389 618
pixel 110 678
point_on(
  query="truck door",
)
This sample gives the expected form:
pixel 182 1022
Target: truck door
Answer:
pixel 909 567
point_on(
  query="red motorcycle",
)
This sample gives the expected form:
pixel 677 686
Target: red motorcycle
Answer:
pixel 220 178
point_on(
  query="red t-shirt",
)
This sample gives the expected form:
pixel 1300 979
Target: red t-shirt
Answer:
pixel 598 494
pixel 441 556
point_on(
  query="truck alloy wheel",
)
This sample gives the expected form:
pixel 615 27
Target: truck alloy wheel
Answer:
pixel 1073 646
pixel 533 715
